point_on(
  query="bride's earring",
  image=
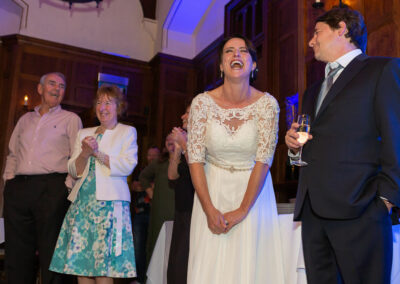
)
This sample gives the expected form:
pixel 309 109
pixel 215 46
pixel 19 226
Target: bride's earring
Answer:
pixel 253 74
pixel 221 73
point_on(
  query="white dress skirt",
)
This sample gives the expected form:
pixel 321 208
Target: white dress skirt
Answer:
pixel 250 253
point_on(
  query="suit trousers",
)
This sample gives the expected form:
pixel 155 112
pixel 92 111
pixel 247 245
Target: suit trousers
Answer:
pixel 350 251
pixel 34 209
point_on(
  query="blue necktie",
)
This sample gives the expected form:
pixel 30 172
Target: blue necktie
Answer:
pixel 333 67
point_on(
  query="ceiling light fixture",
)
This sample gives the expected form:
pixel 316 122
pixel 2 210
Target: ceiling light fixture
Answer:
pixel 318 4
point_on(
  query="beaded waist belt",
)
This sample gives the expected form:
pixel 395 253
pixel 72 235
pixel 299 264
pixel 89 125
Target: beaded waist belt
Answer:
pixel 230 168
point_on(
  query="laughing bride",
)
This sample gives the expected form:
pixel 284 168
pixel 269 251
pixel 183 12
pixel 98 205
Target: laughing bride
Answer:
pixel 232 134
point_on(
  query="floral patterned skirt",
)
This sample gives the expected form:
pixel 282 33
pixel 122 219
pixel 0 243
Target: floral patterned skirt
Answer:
pixel 96 236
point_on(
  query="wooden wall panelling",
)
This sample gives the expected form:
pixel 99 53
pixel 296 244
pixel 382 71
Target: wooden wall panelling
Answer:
pixel 245 17
pixel 207 69
pixel 138 92
pixel 241 17
pixel 153 106
pixel 175 84
pixel 84 86
pixel 30 58
pixel 263 43
pixel 273 30
pixel 260 40
pixel 250 18
pixel 260 9
pixel 280 30
pixel 383 41
pixel 140 85
pixel 382 21
pixel 10 68
pixel 284 51
pixel 302 46
pixel 235 17
pixel 378 13
pixel 314 69
pixel 288 61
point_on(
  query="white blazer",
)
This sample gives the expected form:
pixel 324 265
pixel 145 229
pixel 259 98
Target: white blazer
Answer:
pixel 120 145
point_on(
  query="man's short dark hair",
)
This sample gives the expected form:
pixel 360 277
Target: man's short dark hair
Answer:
pixel 357 31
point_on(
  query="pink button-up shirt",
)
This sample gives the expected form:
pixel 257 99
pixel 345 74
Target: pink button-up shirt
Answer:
pixel 42 144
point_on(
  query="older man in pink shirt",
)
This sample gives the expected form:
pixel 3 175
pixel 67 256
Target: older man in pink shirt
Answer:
pixel 36 183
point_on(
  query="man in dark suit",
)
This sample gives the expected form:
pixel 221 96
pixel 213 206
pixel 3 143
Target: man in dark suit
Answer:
pixel 352 180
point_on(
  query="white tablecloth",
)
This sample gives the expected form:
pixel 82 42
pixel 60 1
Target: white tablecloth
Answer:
pixel 291 249
pixel 157 270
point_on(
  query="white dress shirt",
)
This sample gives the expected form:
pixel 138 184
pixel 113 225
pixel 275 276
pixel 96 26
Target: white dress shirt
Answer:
pixel 42 144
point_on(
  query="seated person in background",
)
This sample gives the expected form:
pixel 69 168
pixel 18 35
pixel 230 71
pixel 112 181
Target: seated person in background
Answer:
pixel 96 241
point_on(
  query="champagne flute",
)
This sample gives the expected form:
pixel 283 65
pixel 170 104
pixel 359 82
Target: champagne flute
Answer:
pixel 303 130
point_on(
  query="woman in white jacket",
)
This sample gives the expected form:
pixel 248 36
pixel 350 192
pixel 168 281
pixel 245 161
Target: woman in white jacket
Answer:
pixel 95 240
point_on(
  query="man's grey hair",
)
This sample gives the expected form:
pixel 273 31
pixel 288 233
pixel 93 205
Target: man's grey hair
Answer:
pixel 43 78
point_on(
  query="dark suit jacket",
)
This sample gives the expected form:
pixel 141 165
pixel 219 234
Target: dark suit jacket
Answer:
pixel 354 155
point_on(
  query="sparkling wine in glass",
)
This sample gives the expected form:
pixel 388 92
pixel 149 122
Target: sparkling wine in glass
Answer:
pixel 303 131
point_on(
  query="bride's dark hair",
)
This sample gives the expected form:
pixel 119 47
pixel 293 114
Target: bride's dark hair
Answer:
pixel 249 45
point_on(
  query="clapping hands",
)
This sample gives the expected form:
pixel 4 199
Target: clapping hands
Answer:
pixel 89 146
pixel 180 137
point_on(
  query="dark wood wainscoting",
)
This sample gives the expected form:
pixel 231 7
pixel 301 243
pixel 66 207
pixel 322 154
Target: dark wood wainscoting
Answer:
pixel 156 94
pixel 174 88
pixel 24 60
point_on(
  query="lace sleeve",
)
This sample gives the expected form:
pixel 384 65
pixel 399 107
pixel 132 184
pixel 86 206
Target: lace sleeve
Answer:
pixel 268 118
pixel 196 130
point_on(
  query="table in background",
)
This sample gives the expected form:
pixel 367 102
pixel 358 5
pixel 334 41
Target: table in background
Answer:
pixel 157 270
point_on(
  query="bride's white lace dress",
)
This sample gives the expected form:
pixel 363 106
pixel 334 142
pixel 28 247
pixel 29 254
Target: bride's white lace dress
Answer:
pixel 228 142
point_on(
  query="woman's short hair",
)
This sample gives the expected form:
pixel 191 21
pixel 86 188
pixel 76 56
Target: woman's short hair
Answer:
pixel 112 92
pixel 357 31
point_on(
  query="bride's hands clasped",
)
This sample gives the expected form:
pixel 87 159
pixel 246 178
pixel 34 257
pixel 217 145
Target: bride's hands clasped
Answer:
pixel 216 222
pixel 233 218
pixel 219 223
